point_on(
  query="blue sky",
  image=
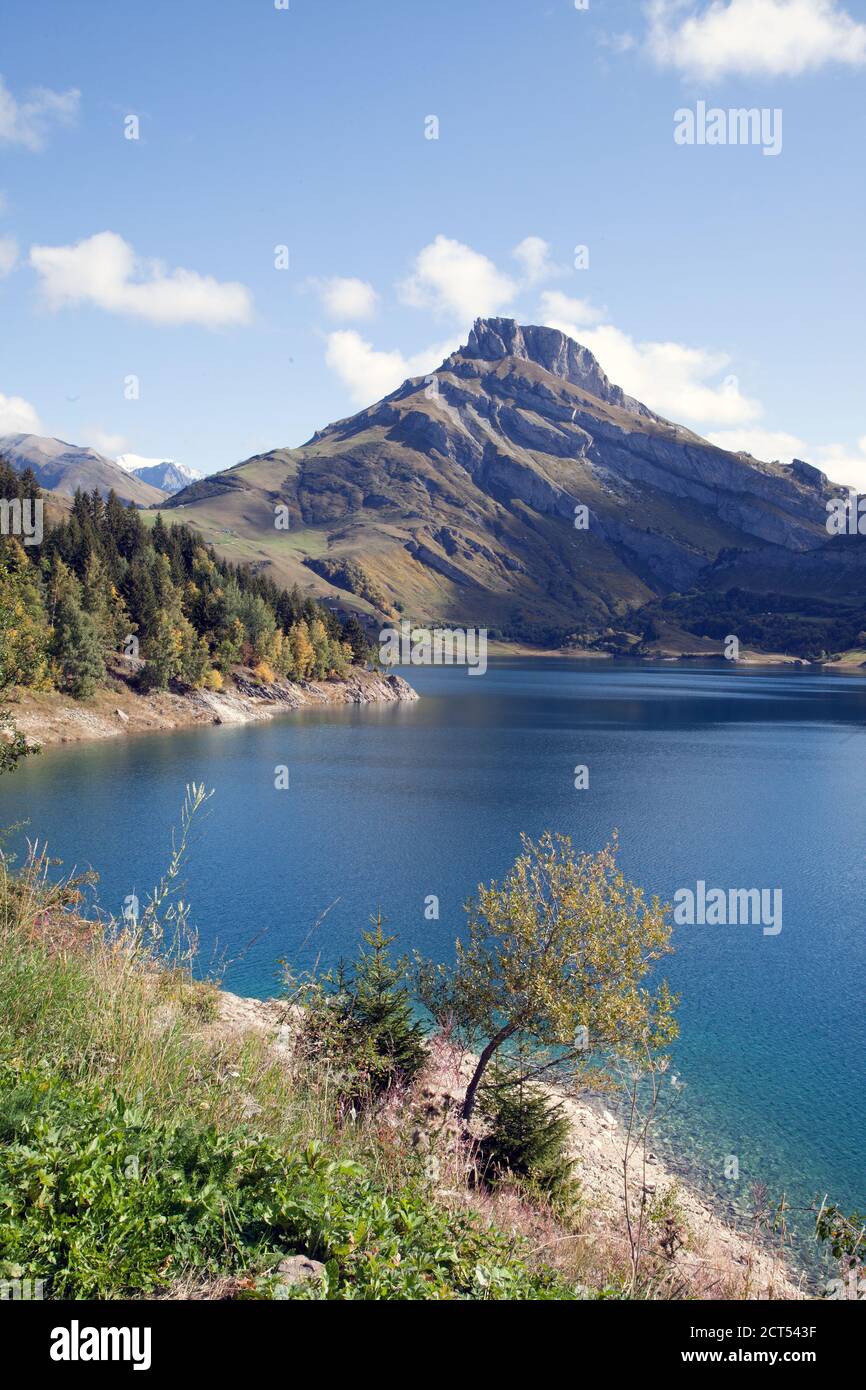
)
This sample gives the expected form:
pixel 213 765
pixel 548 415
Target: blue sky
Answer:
pixel 725 286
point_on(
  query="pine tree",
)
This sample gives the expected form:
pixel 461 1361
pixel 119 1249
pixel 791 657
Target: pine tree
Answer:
pixel 528 1135
pixel 24 637
pixel 354 634
pixel 164 648
pixel 230 645
pixel 24 631
pixel 341 657
pixel 102 575
pixel 381 1010
pixel 75 646
pixel 102 601
pixel 194 658
pixel 358 1022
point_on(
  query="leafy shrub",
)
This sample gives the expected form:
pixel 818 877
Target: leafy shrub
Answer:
pixel 102 1200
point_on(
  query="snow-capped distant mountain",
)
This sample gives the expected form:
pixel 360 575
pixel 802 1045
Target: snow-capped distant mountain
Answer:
pixel 63 468
pixel 162 473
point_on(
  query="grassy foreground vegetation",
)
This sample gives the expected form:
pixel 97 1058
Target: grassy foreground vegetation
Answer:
pixel 143 1152
pixel 150 1149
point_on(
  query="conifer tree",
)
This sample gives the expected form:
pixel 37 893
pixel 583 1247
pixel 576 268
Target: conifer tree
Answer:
pixel 230 645
pixel 381 1008
pixel 354 634
pixel 24 631
pixel 75 647
pixel 358 1022
pixel 163 652
pixel 101 575
pixel 102 601
pixel 529 1135
pixel 24 638
pixel 194 658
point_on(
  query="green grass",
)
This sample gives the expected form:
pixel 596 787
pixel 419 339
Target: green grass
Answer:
pixel 130 1166
pixel 101 1198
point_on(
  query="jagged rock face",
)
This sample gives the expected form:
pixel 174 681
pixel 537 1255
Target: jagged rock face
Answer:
pixel 457 494
pixel 492 339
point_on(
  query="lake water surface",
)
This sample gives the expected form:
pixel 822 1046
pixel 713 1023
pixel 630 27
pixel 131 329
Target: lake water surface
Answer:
pixel 742 778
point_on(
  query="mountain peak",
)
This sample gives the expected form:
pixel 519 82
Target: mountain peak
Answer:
pixel 497 337
pixel 63 467
pixel 549 348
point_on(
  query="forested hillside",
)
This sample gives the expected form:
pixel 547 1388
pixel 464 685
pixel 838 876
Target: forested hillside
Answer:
pixel 103 581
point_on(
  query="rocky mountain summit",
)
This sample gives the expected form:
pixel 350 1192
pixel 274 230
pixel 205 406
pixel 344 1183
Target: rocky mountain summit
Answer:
pixel 493 339
pixel 515 488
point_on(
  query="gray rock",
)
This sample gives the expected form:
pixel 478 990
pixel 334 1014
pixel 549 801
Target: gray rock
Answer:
pixel 298 1269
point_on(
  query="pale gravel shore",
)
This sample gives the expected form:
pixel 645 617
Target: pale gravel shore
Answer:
pixel 116 710
pixel 720 1258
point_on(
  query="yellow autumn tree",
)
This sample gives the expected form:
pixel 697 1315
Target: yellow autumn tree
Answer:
pixel 303 652
pixel 24 631
pixel 554 966
pixel 321 647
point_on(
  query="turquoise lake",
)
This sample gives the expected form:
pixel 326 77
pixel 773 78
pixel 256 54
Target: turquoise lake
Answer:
pixel 739 777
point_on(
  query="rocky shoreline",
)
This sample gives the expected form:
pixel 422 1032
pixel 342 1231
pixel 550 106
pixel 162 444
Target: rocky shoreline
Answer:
pixel 47 718
pixel 718 1258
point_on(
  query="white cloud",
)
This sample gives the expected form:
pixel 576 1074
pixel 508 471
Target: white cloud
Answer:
pixel 618 43
pixel 533 253
pixel 104 270
pixel 18 416
pixel 26 122
pixel 452 279
pixel 761 443
pixel 682 384
pixel 674 380
pixel 556 305
pixel 347 298
pixel 8 255
pixel 753 37
pixel 689 385
pixel 677 382
pixel 103 441
pixel 841 463
pixel 370 373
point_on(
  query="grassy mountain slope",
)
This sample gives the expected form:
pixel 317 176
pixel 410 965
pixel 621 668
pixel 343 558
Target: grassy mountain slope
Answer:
pixel 455 497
